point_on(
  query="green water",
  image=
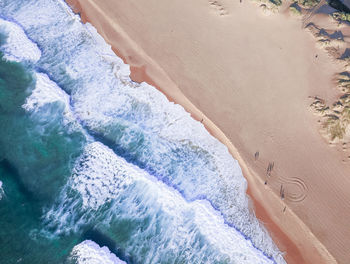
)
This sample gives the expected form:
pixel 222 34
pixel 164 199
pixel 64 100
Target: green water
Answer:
pixel 20 217
pixel 37 144
pixel 36 154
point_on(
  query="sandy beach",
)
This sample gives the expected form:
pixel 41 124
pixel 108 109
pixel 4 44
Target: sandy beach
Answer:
pixel 251 74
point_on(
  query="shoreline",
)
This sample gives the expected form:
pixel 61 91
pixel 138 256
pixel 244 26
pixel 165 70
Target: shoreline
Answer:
pixel 300 247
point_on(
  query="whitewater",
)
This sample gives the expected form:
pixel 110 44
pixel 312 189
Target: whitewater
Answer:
pixel 104 169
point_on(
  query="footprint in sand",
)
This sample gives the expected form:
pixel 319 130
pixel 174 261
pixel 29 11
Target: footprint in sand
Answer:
pixel 218 7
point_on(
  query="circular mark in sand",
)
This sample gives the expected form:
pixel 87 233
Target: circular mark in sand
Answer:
pixel 295 189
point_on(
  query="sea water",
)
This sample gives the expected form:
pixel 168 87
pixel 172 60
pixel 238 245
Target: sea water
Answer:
pixel 95 168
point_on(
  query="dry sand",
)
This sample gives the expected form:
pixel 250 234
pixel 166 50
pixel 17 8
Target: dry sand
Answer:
pixel 251 75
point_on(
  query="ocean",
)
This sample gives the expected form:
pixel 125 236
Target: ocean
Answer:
pixel 95 168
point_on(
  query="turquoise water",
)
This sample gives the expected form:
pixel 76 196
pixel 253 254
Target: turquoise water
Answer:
pixel 88 155
pixel 29 183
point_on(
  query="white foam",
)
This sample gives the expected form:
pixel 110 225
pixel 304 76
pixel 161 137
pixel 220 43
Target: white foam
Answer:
pixel 88 252
pixel 18 47
pixel 45 92
pixel 120 69
pixel 99 176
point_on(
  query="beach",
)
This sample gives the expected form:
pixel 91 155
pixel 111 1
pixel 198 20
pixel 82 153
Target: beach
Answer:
pixel 97 167
pixel 249 75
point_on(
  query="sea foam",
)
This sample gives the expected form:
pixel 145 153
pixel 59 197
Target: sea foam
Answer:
pixel 46 91
pixel 88 252
pixel 17 46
